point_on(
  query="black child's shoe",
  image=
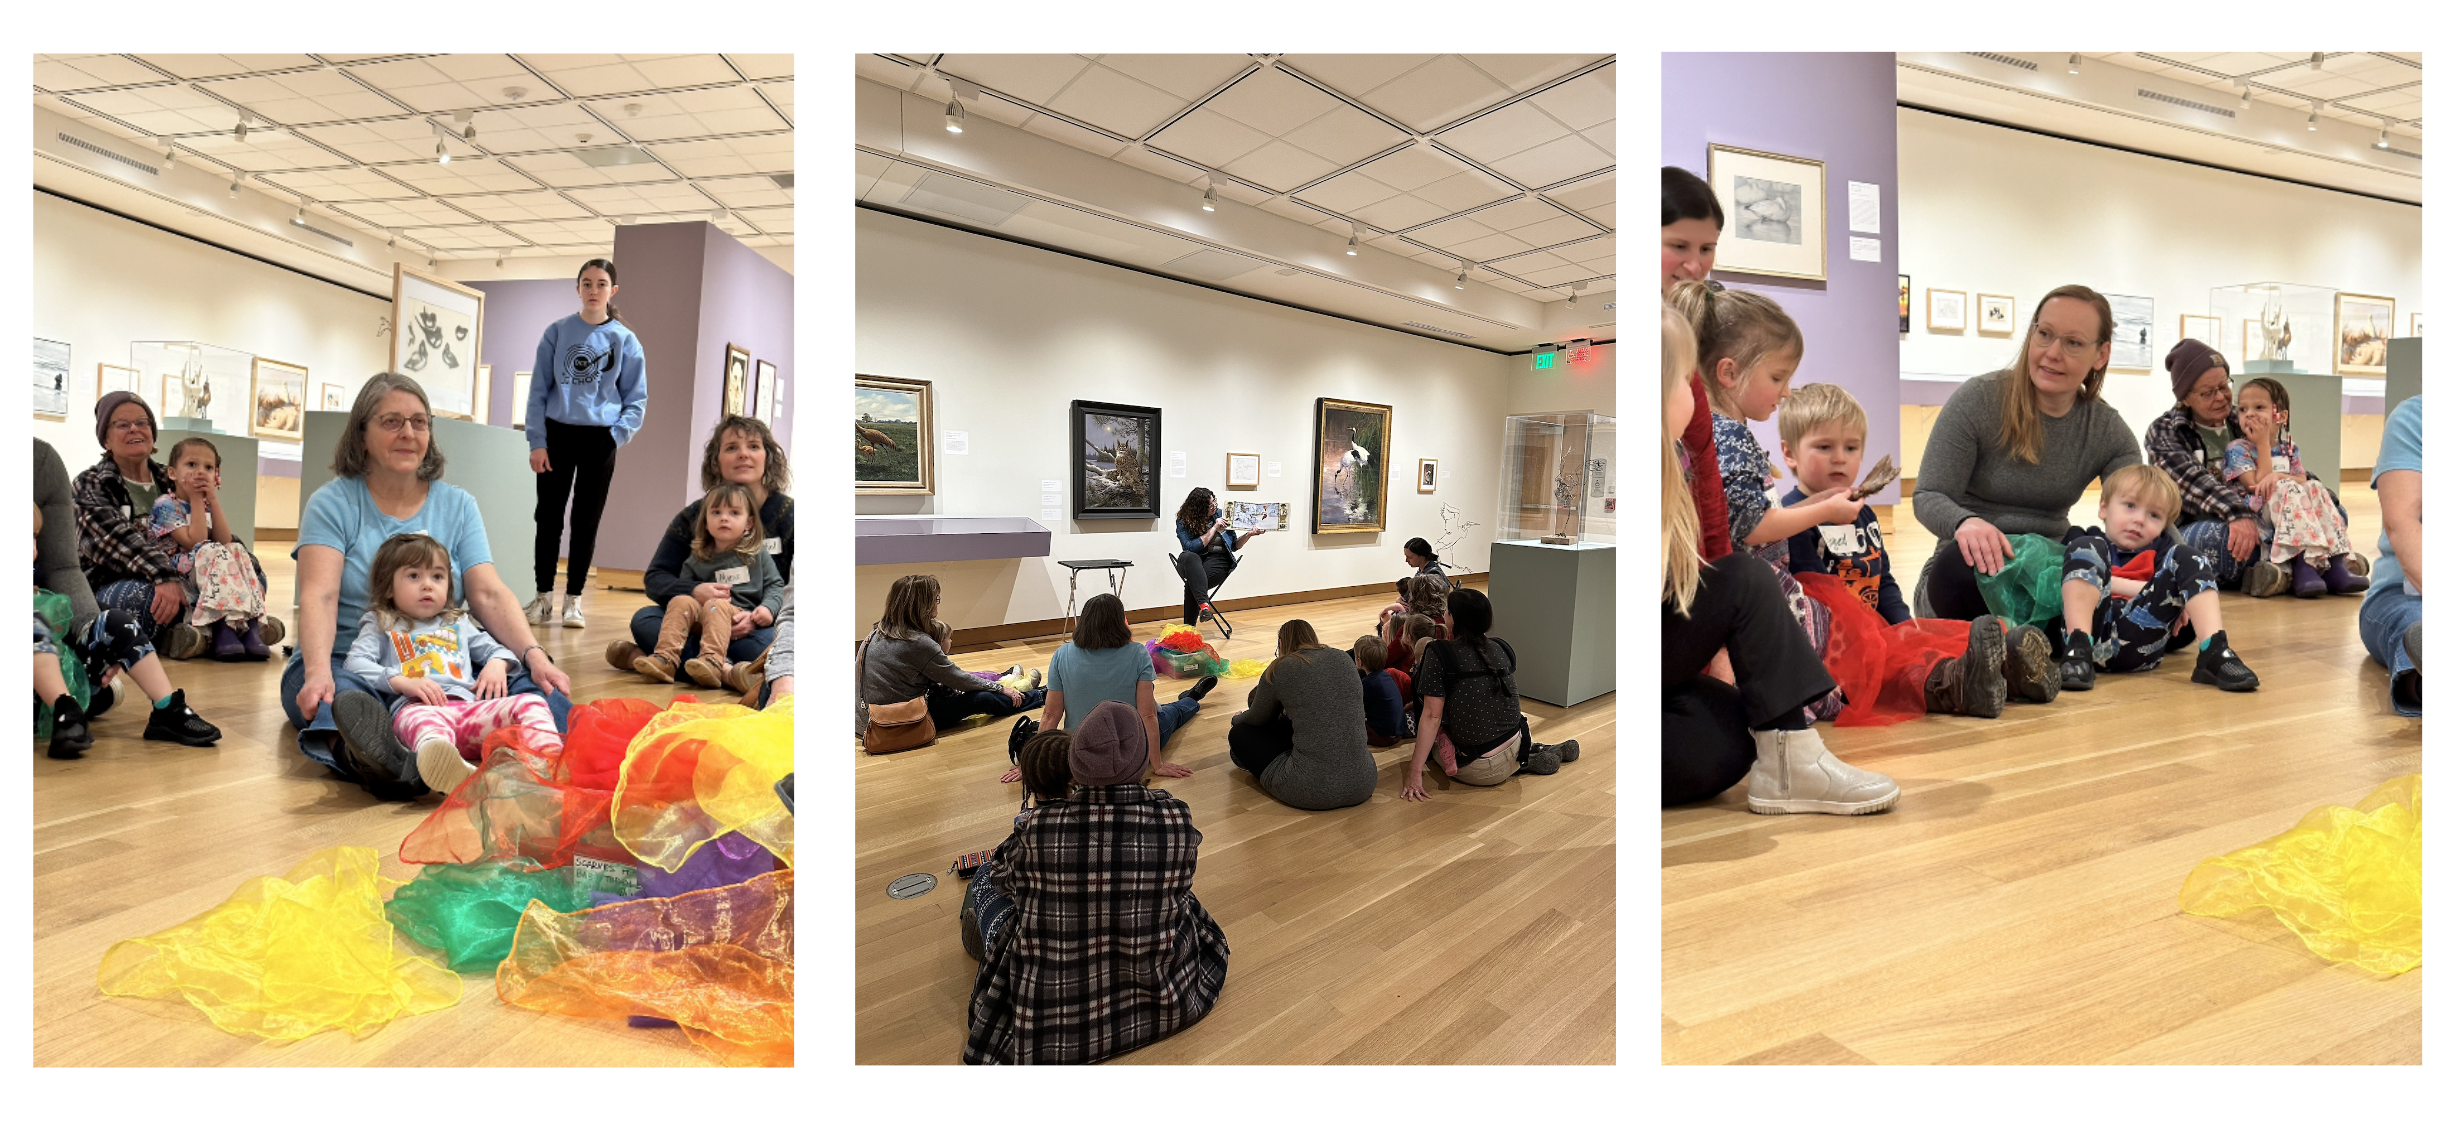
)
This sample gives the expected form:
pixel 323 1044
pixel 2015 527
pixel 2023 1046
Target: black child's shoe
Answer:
pixel 2220 666
pixel 69 736
pixel 174 722
pixel 2075 669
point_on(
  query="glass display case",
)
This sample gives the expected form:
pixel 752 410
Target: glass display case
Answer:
pixel 191 379
pixel 2264 323
pixel 1559 479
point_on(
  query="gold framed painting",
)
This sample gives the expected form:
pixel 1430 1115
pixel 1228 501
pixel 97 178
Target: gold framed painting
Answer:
pixel 891 436
pixel 1428 470
pixel 1245 471
pixel 1352 466
pixel 1774 212
pixel 2360 347
pixel 277 400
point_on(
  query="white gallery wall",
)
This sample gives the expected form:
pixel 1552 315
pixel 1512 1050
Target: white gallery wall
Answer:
pixel 1993 210
pixel 1009 335
pixel 101 282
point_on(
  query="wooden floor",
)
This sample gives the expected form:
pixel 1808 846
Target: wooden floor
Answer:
pixel 141 836
pixel 1474 927
pixel 2020 903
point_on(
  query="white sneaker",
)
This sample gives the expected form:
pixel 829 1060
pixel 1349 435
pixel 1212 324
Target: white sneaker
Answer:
pixel 441 767
pixel 1796 773
pixel 542 609
pixel 571 611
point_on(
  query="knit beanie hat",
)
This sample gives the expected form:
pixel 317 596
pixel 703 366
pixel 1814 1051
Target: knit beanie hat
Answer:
pixel 110 403
pixel 2187 362
pixel 1109 747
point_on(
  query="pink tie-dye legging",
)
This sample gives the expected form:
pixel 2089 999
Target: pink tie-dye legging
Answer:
pixel 467 723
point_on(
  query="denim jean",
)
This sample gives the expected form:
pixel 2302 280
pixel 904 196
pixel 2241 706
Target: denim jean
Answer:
pixel 650 618
pixel 2382 622
pixel 317 735
pixel 948 709
pixel 1174 714
pixel 2211 537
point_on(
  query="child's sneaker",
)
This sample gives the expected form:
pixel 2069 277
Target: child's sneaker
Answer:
pixel 1974 683
pixel 174 722
pixel 2263 579
pixel 69 736
pixel 2219 666
pixel 2031 664
pixel 441 766
pixel 571 611
pixel 182 641
pixel 2076 670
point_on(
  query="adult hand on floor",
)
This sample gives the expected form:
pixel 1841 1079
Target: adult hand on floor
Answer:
pixel 1984 546
pixel 1170 769
pixel 1414 787
pixel 1013 774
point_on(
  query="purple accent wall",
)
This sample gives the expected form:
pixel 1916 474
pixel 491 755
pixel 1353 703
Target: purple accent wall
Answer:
pixel 1838 108
pixel 689 289
pixel 517 314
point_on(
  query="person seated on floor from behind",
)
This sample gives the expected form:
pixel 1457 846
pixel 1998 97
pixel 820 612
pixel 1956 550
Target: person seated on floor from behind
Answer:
pixel 1415 633
pixel 903 660
pixel 2134 592
pixel 1419 596
pixel 1303 732
pixel 2307 534
pixel 1108 948
pixel 1469 706
pixel 118 639
pixel 448 679
pixel 727 549
pixel 1823 431
pixel 1043 761
pixel 1103 663
pixel 1387 721
pixel 225 586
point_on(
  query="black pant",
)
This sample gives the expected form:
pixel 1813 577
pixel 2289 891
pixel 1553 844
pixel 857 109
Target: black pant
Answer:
pixel 948 709
pixel 580 461
pixel 1203 573
pixel 1740 610
pixel 1954 589
pixel 1254 746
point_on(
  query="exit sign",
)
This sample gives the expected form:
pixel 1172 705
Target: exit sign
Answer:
pixel 1544 360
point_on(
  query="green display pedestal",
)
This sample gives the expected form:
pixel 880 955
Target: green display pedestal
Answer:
pixel 492 464
pixel 1554 603
pixel 238 471
pixel 2313 410
pixel 2406 376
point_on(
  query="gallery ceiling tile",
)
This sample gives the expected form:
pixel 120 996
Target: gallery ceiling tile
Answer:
pixel 528 129
pixel 1272 102
pixel 1468 188
pixel 505 207
pixel 1033 78
pixel 1187 76
pixel 689 113
pixel 763 66
pixel 776 221
pixel 585 76
pixel 1582 102
pixel 380 142
pixel 1348 192
pixel 563 170
pixel 779 95
pixel 1556 276
pixel 195 67
pixel 1481 250
pixel 161 109
pixel 264 150
pixel 461 177
pixel 341 184
pixel 1442 91
pixel 1154 163
pixel 1553 161
pixel 382 214
pixel 438 83
pixel 1279 166
pixel 1419 164
pixel 1402 211
pixel 1345 136
pixel 79 72
pixel 887 72
pixel 1355 75
pixel 1112 101
pixel 728 156
pixel 1527 72
pixel 642 199
pixel 304 97
pixel 1209 138
pixel 1090 141
pixel 1515 128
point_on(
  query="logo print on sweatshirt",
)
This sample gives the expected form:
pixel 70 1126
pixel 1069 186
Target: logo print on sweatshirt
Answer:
pixel 583 367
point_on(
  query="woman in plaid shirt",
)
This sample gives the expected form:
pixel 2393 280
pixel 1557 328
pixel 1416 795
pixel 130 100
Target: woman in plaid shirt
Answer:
pixel 1108 948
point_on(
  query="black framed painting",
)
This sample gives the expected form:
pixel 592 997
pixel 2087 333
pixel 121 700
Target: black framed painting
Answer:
pixel 1352 465
pixel 1117 452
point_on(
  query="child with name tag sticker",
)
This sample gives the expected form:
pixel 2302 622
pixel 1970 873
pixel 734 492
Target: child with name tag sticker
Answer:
pixel 729 550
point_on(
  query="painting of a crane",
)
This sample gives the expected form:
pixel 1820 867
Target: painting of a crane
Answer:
pixel 1352 467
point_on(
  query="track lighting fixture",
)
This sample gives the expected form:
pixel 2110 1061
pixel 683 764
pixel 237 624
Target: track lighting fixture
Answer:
pixel 2312 121
pixel 234 186
pixel 2383 142
pixel 469 129
pixel 240 134
pixel 1352 239
pixel 499 260
pixel 1575 288
pixel 2317 60
pixel 1211 197
pixel 2244 94
pixel 1461 283
pixel 955 116
pixel 298 217
pixel 2073 64
pixel 443 156
pixel 390 235
pixel 170 155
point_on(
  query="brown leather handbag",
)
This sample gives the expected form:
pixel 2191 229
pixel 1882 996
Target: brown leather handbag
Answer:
pixel 896 727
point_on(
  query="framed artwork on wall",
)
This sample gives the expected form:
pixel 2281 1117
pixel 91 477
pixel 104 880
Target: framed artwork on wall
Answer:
pixel 1116 450
pixel 335 397
pixel 764 400
pixel 1996 314
pixel 1946 313
pixel 520 398
pixel 2365 323
pixel 1774 212
pixel 2415 324
pixel 110 378
pixel 277 400
pixel 1352 466
pixel 436 328
pixel 737 380
pixel 2202 328
pixel 1903 304
pixel 1428 470
pixel 2129 346
pixel 483 403
pixel 1245 470
pixel 891 436
pixel 51 379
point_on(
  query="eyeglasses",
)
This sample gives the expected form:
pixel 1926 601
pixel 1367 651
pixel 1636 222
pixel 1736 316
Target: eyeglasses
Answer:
pixel 130 426
pixel 2075 348
pixel 393 422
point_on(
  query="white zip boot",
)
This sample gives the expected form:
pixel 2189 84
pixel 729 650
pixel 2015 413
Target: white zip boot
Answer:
pixel 1796 773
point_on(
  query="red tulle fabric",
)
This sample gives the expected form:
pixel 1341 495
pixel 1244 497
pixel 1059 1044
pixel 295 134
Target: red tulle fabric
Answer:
pixel 1881 667
pixel 543 805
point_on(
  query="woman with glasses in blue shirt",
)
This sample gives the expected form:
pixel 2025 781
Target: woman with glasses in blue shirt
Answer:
pixel 2012 451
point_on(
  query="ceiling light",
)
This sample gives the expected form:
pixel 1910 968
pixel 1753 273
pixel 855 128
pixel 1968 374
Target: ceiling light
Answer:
pixel 234 186
pixel 431 258
pixel 2073 64
pixel 1211 196
pixel 2383 142
pixel 515 93
pixel 2312 121
pixel 1575 288
pixel 443 156
pixel 2317 60
pixel 499 259
pixel 955 116
pixel 2244 93
pixel 298 218
pixel 391 234
pixel 1352 239
pixel 170 154
pixel 1461 283
pixel 240 134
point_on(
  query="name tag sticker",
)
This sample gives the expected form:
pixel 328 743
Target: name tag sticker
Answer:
pixel 2279 463
pixel 738 575
pixel 1841 541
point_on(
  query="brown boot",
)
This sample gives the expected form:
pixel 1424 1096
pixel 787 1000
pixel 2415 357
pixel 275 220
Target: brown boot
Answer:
pixel 1973 684
pixel 710 673
pixel 682 614
pixel 741 679
pixel 621 653
pixel 2031 665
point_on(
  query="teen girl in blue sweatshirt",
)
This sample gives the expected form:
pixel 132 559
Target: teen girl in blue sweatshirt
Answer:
pixel 588 395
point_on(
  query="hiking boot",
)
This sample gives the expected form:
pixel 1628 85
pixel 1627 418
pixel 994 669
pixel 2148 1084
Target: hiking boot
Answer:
pixel 2076 671
pixel 69 736
pixel 442 767
pixel 571 611
pixel 656 667
pixel 2219 666
pixel 2031 665
pixel 1974 683
pixel 270 631
pixel 1202 687
pixel 1796 773
pixel 182 641
pixel 2341 577
pixel 2263 579
pixel 367 743
pixel 174 722
pixel 705 671
pixel 621 653
pixel 541 609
